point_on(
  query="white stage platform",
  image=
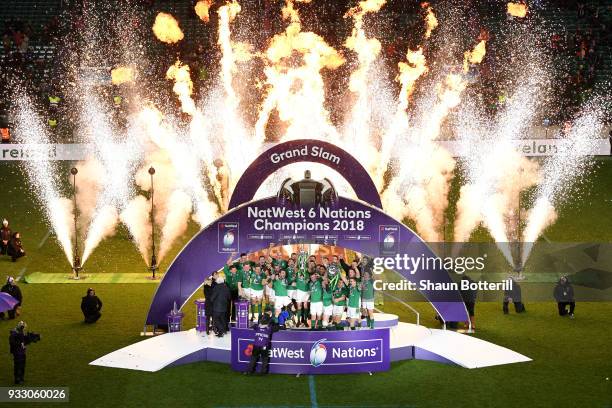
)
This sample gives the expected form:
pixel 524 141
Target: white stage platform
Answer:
pixel 407 341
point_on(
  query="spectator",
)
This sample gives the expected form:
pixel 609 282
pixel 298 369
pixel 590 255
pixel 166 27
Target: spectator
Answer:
pixel 513 295
pixel 91 306
pixel 15 248
pixel 5 237
pixel 209 285
pixel 469 298
pixel 12 289
pixel 221 299
pixel 564 295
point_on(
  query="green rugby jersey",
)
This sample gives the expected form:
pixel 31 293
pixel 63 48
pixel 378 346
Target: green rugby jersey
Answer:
pixel 367 290
pixel 245 278
pixel 316 291
pixel 291 277
pixel 231 280
pixel 327 296
pixel 302 281
pixel 280 287
pixel 338 293
pixel 256 280
pixel 354 297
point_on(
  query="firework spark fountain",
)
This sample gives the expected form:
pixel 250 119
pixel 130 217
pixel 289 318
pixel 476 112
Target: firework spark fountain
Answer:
pixel 43 176
pixel 561 171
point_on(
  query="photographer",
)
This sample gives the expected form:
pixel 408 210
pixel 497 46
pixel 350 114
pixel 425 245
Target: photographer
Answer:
pixel 262 345
pixel 18 340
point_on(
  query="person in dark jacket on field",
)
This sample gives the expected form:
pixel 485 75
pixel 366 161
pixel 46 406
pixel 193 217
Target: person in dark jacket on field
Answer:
pixel 221 299
pixel 469 298
pixel 262 344
pixel 15 247
pixel 5 237
pixel 12 289
pixel 18 340
pixel 564 295
pixel 513 294
pixel 91 306
pixel 209 285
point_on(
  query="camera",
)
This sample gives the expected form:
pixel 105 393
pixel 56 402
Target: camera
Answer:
pixel 33 337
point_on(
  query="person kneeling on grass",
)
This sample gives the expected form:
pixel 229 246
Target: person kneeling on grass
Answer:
pixel 91 306
pixel 564 295
pixel 15 247
pixel 261 345
pixel 12 289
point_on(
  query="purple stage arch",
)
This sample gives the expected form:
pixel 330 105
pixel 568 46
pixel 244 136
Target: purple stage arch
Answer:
pixel 341 161
pixel 208 251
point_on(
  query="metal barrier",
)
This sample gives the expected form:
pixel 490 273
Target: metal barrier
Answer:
pixel 400 301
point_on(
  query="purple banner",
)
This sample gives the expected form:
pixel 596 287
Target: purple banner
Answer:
pixel 317 352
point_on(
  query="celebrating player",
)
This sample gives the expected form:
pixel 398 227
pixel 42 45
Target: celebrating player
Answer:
pixel 316 301
pixel 339 300
pixel 354 303
pixel 367 298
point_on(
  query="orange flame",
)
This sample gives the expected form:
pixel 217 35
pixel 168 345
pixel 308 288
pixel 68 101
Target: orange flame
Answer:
pixel 475 56
pixel 167 29
pixel 517 9
pixel 430 19
pixel 201 9
pixel 183 87
pixel 122 75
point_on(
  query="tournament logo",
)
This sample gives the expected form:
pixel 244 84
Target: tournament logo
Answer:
pixel 318 353
pixel 228 237
pixel 388 239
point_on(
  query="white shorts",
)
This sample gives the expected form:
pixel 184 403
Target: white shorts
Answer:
pixel 316 308
pixel 246 292
pixel 367 304
pixel 354 313
pixel 281 301
pixel 302 296
pixel 338 310
pixel 292 293
pixel 270 293
pixel 328 310
pixel 256 293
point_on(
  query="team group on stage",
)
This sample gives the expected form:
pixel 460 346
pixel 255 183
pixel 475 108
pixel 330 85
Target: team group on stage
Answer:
pixel 303 292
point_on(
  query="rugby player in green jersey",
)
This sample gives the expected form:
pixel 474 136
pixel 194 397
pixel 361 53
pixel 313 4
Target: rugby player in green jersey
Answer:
pixel 292 291
pixel 257 285
pixel 354 303
pixel 302 283
pixel 244 281
pixel 367 298
pixel 280 284
pixel 339 295
pixel 232 278
pixel 316 301
pixel 328 305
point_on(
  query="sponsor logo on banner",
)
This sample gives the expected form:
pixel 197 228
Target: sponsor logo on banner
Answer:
pixel 229 237
pixel 318 353
pixel 389 239
pixel 80 151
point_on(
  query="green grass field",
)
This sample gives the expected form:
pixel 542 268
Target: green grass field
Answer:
pixel 571 358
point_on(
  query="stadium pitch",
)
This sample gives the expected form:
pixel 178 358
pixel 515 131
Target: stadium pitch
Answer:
pixel 570 364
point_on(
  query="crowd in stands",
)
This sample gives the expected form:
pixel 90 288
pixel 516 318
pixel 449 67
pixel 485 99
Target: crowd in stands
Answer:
pixel 35 53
